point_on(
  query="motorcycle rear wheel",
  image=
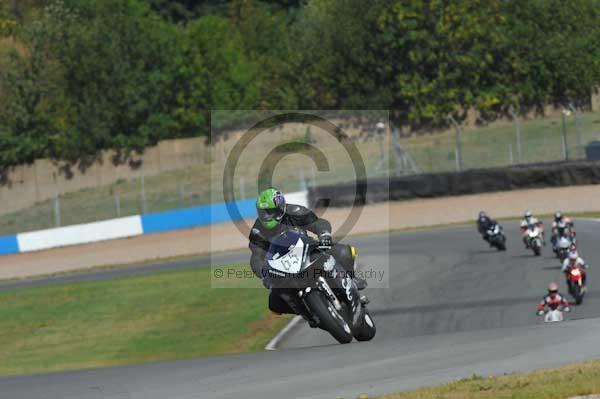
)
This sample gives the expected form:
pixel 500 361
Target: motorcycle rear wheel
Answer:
pixel 366 331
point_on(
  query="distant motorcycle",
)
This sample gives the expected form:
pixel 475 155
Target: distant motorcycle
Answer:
pixel 534 239
pixel 562 229
pixel 496 237
pixel 563 246
pixel 576 283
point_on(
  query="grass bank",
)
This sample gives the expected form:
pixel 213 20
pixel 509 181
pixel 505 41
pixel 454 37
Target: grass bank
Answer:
pixel 560 383
pixel 164 316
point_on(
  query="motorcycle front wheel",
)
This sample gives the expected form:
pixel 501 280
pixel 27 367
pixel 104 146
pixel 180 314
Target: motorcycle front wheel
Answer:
pixel 328 318
pixel 501 244
pixel 577 294
pixel 537 250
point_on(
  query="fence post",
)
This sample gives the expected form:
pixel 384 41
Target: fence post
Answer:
pixel 515 114
pixel 301 178
pixel 181 195
pixel 57 211
pixel 118 204
pixel 458 145
pixel 564 135
pixel 143 192
pixel 577 124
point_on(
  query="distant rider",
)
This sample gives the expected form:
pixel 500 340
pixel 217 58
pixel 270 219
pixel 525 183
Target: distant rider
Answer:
pixel 572 261
pixel 530 220
pixel 274 217
pixel 484 223
pixel 552 301
pixel 562 224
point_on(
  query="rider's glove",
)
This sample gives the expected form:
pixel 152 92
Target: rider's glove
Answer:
pixel 567 309
pixel 540 313
pixel 325 240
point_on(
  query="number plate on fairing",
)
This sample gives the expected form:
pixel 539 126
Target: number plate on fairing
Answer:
pixel 291 262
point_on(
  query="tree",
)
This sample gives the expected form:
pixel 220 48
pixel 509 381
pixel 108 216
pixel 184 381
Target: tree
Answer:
pixel 34 108
pixel 117 57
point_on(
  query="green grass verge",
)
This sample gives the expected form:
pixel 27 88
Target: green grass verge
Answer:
pixel 164 316
pixel 560 383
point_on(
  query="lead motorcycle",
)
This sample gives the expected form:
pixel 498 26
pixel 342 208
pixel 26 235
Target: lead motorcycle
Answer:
pixel 313 283
pixel 553 315
pixel 496 237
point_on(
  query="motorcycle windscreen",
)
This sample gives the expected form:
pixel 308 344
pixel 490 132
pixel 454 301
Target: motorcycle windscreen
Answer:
pixel 286 253
pixel 564 243
pixel 554 316
pixel 494 230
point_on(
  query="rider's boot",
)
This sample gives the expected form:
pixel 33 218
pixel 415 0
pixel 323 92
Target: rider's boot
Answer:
pixel 361 283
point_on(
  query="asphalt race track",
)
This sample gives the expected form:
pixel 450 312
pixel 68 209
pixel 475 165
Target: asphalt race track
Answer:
pixel 454 307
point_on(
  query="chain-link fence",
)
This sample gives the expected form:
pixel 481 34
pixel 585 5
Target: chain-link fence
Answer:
pixel 384 151
pixel 559 138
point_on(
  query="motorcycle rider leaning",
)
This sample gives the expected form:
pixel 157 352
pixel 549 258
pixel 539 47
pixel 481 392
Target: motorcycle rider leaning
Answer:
pixel 274 217
pixel 552 301
pixel 529 220
pixel 484 223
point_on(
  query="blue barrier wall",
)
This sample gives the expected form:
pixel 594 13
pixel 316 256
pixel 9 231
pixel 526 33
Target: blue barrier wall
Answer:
pixel 8 245
pixel 135 225
pixel 198 216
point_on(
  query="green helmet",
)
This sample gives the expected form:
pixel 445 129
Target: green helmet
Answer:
pixel 270 207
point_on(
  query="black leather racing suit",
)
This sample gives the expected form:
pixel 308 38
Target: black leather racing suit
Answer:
pixel 295 216
pixel 483 224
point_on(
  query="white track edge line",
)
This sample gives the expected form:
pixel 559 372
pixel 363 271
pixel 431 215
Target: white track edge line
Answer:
pixel 272 345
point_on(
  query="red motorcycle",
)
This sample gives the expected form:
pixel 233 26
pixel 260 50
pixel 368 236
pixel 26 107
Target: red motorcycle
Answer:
pixel 576 280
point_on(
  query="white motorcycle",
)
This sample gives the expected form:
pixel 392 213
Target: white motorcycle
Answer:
pixel 553 315
pixel 496 237
pixel 534 239
pixel 563 246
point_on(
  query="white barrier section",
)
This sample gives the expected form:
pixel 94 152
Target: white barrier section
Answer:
pixel 297 198
pixel 80 234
